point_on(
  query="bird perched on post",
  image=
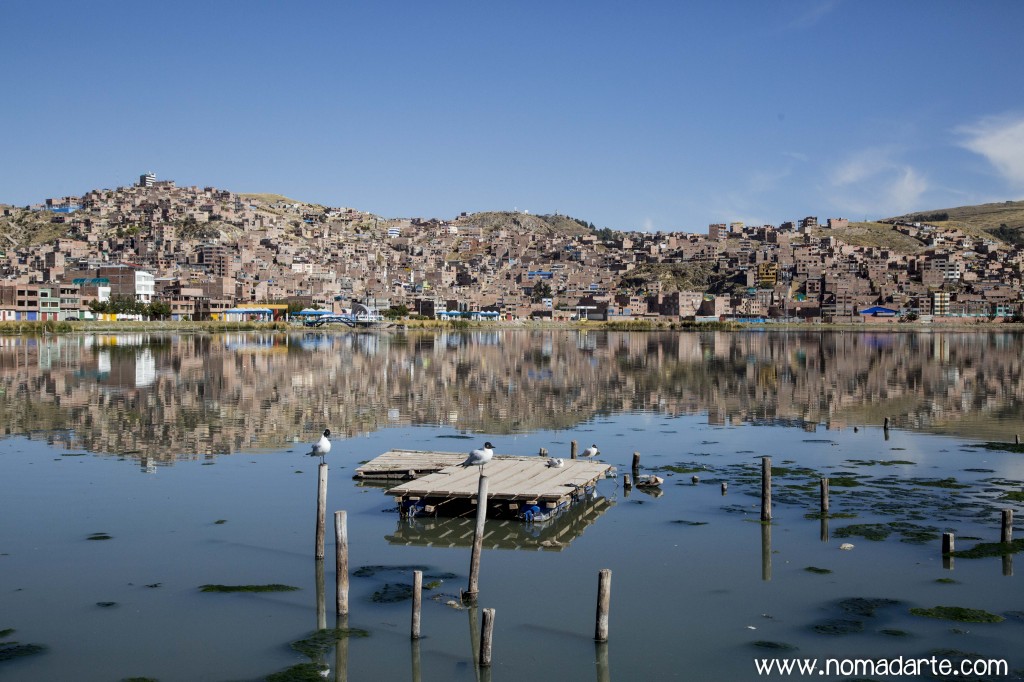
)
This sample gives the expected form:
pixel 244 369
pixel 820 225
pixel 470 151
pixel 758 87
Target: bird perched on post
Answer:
pixel 480 457
pixel 592 451
pixel 322 446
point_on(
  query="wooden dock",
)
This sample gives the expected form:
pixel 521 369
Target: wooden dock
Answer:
pixel 514 482
pixel 409 464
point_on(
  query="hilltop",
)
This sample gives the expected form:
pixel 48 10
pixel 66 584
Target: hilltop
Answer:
pixel 1003 220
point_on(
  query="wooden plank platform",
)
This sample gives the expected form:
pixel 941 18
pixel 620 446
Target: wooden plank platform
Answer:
pixel 512 479
pixel 408 464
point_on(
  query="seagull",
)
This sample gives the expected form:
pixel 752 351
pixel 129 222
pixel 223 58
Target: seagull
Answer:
pixel 480 457
pixel 591 451
pixel 322 446
pixel 556 462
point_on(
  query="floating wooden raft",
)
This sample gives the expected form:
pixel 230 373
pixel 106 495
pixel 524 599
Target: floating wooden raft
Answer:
pixel 408 464
pixel 513 483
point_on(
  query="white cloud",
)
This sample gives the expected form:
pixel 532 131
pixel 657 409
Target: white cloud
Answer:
pixel 874 181
pixel 1001 141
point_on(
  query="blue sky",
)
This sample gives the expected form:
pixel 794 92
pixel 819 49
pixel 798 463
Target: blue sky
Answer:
pixel 630 115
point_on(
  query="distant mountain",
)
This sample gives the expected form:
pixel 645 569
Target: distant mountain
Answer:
pixel 518 222
pixel 1004 220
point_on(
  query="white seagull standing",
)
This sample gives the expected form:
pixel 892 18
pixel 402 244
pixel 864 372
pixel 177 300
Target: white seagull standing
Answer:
pixel 592 451
pixel 322 446
pixel 480 457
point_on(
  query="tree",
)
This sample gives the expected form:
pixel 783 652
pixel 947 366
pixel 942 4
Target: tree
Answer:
pixel 540 291
pixel 396 311
pixel 158 310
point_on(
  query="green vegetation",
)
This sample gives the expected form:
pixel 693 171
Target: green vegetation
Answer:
pixel 958 614
pixel 990 549
pixel 318 643
pixel 1008 447
pixel 274 587
pixel 9 650
pixel 863 606
pixel 838 626
pixel 303 672
pixel 781 646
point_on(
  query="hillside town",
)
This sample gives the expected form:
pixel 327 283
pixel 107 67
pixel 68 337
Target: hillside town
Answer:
pixel 207 253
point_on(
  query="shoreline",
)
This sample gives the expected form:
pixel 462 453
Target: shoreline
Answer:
pixel 52 327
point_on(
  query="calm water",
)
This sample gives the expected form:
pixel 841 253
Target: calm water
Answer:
pixel 188 451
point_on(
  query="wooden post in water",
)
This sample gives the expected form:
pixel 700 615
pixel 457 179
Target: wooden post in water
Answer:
pixel 321 510
pixel 948 545
pixel 885 428
pixel 478 539
pixel 1016 439
pixel 417 602
pixel 725 487
pixel 824 496
pixel 1008 565
pixel 572 450
pixel 636 463
pixel 341 562
pixel 486 637
pixel 543 452
pixel 824 528
pixel 1007 531
pixel 604 602
pixel 341 650
pixel 626 482
pixel 766 488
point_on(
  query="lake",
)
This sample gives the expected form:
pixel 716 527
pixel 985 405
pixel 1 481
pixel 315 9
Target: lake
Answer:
pixel 136 468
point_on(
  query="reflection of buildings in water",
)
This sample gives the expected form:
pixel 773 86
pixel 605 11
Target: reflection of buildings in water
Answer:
pixel 553 535
pixel 190 395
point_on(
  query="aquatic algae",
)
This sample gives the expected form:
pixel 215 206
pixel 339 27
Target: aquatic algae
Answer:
pixel 815 569
pixel 959 614
pixel 863 606
pixel 303 672
pixel 4 634
pixel 1008 447
pixel 839 626
pixel 319 642
pixel 990 549
pixel 9 650
pixel 391 593
pixel 780 646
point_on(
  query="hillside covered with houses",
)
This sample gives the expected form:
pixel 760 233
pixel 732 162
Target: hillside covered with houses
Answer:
pixel 198 253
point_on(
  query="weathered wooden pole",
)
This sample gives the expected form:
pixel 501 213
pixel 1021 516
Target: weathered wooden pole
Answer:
pixel 636 463
pixel 1007 564
pixel 417 602
pixel 824 528
pixel 572 450
pixel 543 452
pixel 321 510
pixel 1016 439
pixel 626 482
pixel 766 489
pixel 604 601
pixel 725 487
pixel 948 547
pixel 486 637
pixel 824 496
pixel 1007 531
pixel 478 539
pixel 341 562
pixel 885 424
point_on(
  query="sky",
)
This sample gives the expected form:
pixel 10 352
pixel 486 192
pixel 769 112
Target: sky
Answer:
pixel 645 115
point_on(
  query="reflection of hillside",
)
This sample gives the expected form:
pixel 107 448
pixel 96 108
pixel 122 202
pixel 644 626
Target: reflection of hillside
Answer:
pixel 169 396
